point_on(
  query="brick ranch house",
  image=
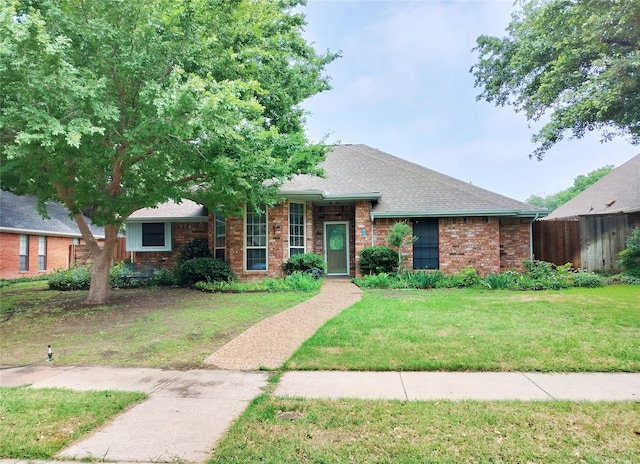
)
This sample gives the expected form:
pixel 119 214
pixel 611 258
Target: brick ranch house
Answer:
pixel 31 245
pixel 364 193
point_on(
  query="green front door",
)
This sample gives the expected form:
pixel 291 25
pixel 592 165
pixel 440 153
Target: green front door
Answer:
pixel 336 245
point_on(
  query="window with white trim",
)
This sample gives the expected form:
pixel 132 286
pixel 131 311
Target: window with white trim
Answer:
pixel 296 229
pixel 220 241
pixel 256 240
pixel 149 236
pixel 24 253
pixel 42 253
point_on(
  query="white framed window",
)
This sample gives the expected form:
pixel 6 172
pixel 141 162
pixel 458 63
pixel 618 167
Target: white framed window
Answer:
pixel 42 253
pixel 220 241
pixel 296 229
pixel 255 240
pixel 24 253
pixel 148 236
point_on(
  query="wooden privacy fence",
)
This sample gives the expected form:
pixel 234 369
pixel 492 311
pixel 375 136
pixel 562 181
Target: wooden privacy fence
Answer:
pixel 592 242
pixel 79 255
pixel 557 242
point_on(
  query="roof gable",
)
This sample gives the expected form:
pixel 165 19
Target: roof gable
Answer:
pixel 404 188
pixel 617 192
pixel 20 213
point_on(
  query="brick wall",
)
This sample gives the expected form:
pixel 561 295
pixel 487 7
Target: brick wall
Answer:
pixel 515 242
pixel 181 234
pixel 382 227
pixel 57 255
pixel 363 223
pixel 470 241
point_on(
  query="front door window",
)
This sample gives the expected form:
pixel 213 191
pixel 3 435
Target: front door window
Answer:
pixel 337 248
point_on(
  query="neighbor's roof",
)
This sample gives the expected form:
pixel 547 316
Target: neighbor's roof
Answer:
pixel 185 211
pixel 19 214
pixel 402 188
pixel 617 192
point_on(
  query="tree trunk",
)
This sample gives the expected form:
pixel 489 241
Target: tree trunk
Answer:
pixel 102 257
pixel 99 289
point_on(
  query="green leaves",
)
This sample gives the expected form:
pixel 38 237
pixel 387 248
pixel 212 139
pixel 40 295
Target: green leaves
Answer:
pixel 125 105
pixel 575 62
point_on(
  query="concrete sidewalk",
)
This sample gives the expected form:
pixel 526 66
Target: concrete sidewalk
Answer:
pixel 189 411
pixel 186 414
pixel 459 386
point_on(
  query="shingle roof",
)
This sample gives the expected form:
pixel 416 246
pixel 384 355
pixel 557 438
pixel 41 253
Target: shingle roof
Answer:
pixel 185 210
pixel 404 188
pixel 20 213
pixel 617 192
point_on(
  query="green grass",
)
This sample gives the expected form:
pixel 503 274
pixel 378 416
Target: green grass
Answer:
pixel 151 327
pixel 37 423
pixel 574 330
pixel 277 430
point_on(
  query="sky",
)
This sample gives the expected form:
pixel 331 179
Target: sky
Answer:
pixel 403 86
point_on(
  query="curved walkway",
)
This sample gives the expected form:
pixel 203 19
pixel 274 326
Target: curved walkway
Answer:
pixel 272 341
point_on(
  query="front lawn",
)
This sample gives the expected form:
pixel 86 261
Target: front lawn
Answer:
pixel 573 330
pixel 148 327
pixel 277 430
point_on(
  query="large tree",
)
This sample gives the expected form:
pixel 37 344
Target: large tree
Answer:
pixel 114 105
pixel 575 62
pixel 580 184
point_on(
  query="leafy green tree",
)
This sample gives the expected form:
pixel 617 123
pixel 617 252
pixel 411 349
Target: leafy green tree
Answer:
pixel 400 236
pixel 114 105
pixel 580 183
pixel 575 62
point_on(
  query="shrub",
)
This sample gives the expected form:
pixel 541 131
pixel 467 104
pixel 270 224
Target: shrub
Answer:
pixel 303 263
pixel 418 279
pixel 587 279
pixel 378 259
pixel 630 257
pixel 197 248
pixel 381 280
pixel 164 278
pixel 205 270
pixel 542 275
pixel 501 281
pixel 76 278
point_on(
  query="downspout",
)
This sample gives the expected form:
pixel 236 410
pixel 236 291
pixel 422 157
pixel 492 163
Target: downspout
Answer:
pixel 531 236
pixel 372 228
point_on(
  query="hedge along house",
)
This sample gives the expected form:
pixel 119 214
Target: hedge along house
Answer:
pixel 364 193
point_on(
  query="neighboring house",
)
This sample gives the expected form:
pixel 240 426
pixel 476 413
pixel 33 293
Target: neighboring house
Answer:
pixel 365 192
pixel 607 213
pixel 31 245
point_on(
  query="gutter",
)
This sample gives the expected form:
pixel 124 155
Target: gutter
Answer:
pixel 48 233
pixel 531 237
pixel 454 213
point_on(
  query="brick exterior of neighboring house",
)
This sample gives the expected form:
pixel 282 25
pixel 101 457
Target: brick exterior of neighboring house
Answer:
pixel 31 245
pixel 344 214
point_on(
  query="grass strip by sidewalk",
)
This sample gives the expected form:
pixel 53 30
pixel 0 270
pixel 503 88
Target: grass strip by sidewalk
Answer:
pixel 277 430
pixel 37 423
pixel 573 330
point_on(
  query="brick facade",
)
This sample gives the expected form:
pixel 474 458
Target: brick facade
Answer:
pixel 515 243
pixel 470 241
pixel 181 234
pixel 58 253
pixel 488 244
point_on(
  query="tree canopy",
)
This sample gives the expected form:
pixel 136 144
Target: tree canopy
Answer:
pixel 576 63
pixel 114 105
pixel 580 184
